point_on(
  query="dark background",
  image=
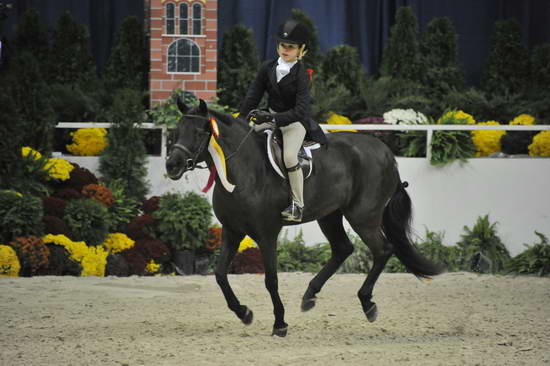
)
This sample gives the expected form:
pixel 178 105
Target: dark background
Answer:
pixel 363 24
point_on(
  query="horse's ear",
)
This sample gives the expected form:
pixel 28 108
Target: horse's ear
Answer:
pixel 203 108
pixel 182 106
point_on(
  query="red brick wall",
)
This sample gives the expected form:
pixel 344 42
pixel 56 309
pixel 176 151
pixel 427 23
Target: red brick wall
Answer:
pixel 162 83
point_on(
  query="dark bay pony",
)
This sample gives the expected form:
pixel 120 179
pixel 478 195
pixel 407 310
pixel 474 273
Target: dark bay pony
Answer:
pixel 354 176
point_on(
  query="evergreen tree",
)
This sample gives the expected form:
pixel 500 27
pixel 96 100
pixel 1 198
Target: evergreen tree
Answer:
pixel 124 160
pixel 342 66
pixel 128 65
pixel 237 65
pixel 507 68
pixel 30 96
pixel 32 36
pixel 71 61
pixel 439 52
pixel 10 152
pixel 540 66
pixel 401 58
pixel 312 59
pixel 72 72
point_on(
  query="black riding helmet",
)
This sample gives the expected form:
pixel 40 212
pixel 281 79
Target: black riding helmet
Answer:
pixel 293 32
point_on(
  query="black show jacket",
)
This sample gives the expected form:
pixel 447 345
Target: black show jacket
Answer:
pixel 289 98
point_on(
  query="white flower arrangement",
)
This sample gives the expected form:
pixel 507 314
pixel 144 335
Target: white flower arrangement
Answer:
pixel 405 116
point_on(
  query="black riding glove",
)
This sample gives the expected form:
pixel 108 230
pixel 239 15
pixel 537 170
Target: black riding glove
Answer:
pixel 259 117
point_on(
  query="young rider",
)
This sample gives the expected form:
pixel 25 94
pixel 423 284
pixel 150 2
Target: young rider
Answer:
pixel 286 82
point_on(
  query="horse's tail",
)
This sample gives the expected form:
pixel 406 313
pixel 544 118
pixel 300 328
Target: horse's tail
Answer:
pixel 396 225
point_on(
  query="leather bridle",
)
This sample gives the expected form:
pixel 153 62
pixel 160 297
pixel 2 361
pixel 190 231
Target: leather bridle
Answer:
pixel 192 163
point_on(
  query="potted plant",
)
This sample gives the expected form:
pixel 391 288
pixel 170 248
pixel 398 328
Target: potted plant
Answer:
pixel 184 220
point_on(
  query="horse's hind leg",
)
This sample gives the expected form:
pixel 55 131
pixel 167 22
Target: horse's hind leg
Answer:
pixel 342 248
pixel 382 251
pixel 231 242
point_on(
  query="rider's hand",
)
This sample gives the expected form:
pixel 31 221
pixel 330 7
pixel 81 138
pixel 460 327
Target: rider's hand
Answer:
pixel 262 126
pixel 258 117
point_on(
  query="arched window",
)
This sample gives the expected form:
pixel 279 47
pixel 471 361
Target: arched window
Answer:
pixel 197 18
pixel 184 18
pixel 183 56
pixel 170 18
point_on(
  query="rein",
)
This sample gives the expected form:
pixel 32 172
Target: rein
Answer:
pixel 240 144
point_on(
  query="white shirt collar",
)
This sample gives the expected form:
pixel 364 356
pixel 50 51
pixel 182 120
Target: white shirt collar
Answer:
pixel 283 68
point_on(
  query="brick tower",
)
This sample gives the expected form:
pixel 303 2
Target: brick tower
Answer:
pixel 183 40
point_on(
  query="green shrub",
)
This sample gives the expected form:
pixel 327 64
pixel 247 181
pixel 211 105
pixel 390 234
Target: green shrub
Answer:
pixel 341 66
pixel 123 210
pixel 328 96
pixel 449 146
pixel 295 256
pixel 237 65
pixel 128 64
pixel 20 215
pixel 124 158
pixel 30 96
pixel 183 220
pixel 70 61
pixel 31 35
pixel 88 220
pixel 507 68
pixel 401 57
pixel 433 248
pixel 439 53
pixel 72 104
pixel 483 238
pixel 394 265
pixel 540 67
pixel 534 260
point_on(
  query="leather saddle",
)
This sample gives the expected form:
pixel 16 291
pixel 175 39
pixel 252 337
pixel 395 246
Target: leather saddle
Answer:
pixel 275 153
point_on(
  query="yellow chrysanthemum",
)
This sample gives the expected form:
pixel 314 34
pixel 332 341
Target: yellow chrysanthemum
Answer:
pixel 246 243
pixel 540 145
pixel 77 249
pixel 88 141
pixel 338 119
pixel 117 242
pixel 523 119
pixel 94 262
pixel 152 267
pixel 58 168
pixel 456 117
pixel 487 141
pixel 9 262
pixel 26 151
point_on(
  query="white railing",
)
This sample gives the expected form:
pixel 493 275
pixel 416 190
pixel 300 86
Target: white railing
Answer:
pixel 361 127
pixel 147 126
pixel 431 128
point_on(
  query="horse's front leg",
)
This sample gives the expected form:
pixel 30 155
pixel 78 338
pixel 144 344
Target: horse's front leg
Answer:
pixel 231 240
pixel 269 254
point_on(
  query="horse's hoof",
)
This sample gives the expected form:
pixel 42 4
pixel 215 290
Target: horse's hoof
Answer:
pixel 248 317
pixel 372 313
pixel 279 332
pixel 308 304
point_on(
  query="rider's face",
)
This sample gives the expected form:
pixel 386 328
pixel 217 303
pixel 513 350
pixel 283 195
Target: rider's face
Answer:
pixel 288 51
